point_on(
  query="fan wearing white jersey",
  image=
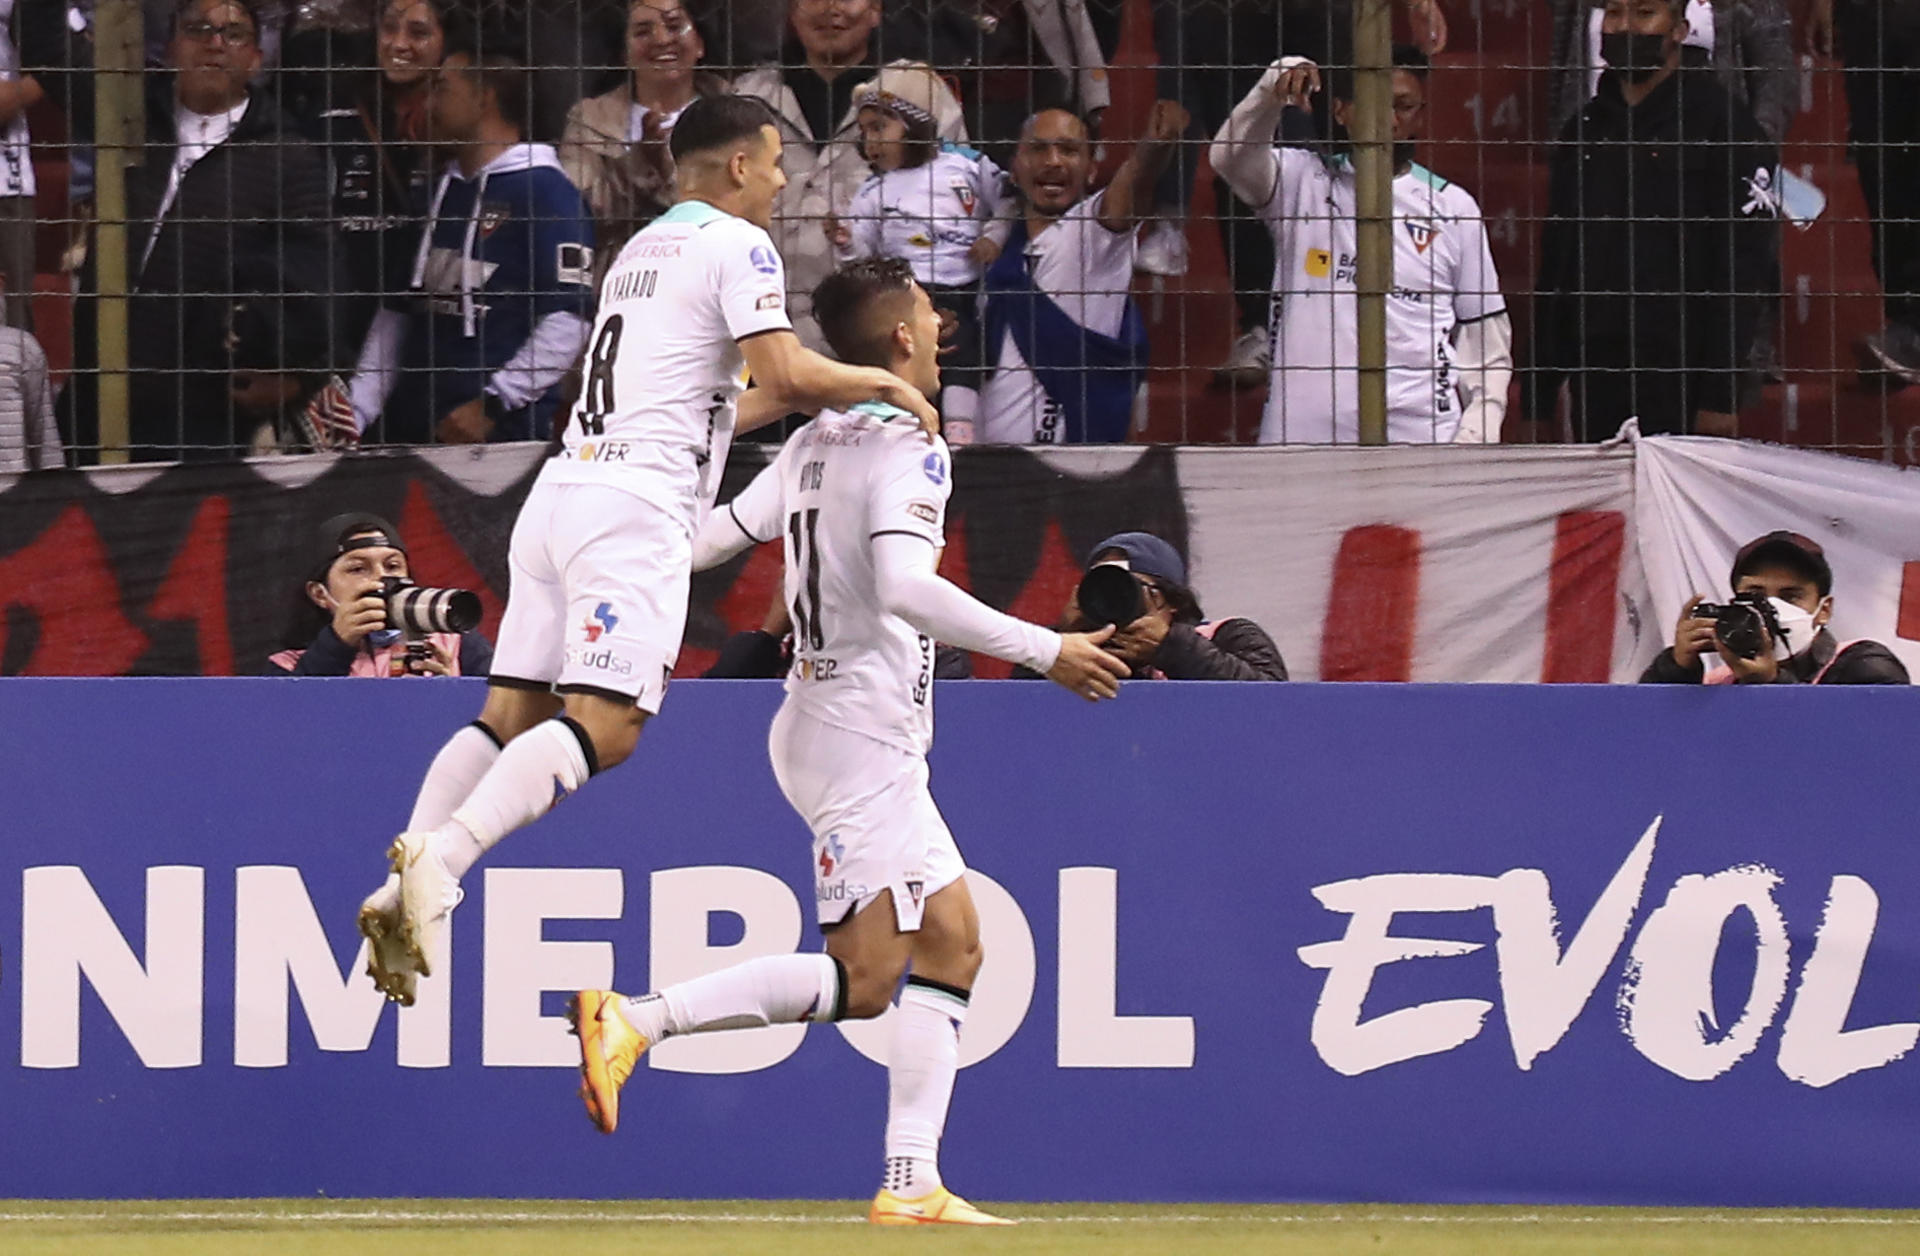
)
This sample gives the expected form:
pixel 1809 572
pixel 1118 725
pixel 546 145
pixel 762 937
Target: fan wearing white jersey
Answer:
pixel 859 498
pixel 1449 342
pixel 601 554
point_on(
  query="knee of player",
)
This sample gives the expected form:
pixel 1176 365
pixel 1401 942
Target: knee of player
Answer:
pixel 870 990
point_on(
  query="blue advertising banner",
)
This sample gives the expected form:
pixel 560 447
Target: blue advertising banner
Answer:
pixel 1244 942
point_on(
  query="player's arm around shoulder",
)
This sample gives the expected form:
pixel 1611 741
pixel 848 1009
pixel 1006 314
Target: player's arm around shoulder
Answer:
pixel 800 379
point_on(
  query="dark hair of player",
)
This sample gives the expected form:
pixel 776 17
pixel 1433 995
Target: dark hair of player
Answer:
pixel 1405 57
pixel 859 305
pixel 716 122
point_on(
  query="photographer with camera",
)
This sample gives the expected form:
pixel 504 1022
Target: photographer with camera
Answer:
pixel 1138 583
pixel 1774 631
pixel 359 613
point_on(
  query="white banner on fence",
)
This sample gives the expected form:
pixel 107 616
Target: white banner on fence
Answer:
pixel 1429 563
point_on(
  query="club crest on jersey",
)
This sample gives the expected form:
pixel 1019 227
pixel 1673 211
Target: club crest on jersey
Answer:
pixel 831 853
pixel 936 468
pixel 963 191
pixel 763 260
pixel 493 214
pixel 602 621
pixel 1421 231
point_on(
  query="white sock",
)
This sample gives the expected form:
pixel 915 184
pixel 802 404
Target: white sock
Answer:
pixel 536 770
pixel 920 1070
pixel 455 771
pixel 771 990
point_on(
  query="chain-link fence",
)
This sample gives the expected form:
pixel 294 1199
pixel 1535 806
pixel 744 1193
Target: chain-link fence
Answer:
pixel 233 226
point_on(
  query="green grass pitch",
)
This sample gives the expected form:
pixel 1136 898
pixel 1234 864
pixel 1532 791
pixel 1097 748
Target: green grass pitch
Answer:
pixel 277 1227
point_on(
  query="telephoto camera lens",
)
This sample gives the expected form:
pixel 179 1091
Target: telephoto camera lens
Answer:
pixel 412 608
pixel 1109 594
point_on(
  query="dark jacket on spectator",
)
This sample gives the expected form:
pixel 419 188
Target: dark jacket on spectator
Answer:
pixel 1861 663
pixel 1659 247
pixel 1219 649
pixel 328 655
pixel 239 279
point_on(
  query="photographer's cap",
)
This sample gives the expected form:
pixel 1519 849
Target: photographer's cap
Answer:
pixel 354 530
pixel 1784 549
pixel 1146 554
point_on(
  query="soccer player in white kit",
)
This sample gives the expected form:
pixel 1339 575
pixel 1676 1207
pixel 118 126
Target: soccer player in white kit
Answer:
pixel 601 554
pixel 859 498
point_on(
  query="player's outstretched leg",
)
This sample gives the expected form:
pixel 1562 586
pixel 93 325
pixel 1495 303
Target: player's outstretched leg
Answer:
pixel 921 1064
pixel 454 772
pixel 549 760
pixel 615 1032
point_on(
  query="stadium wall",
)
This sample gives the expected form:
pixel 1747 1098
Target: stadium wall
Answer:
pixel 1447 564
pixel 1262 942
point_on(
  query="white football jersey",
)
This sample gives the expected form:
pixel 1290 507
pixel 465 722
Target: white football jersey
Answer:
pixel 842 480
pixel 1088 271
pixel 663 367
pixel 929 215
pixel 1443 275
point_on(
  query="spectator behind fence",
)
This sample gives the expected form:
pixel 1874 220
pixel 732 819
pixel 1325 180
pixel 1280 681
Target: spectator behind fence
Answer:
pixel 502 282
pixel 1660 246
pixel 338 625
pixel 29 436
pixel 615 147
pixel 1748 44
pixel 1007 59
pixel 228 251
pixel 1211 53
pixel 1449 342
pixel 1879 43
pixel 1780 635
pixel 811 94
pixel 1171 638
pixel 942 208
pixel 18 93
pixel 1066 347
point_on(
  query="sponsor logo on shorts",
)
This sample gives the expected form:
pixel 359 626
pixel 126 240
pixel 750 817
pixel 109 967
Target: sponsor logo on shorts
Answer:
pixel 839 892
pixel 599 661
pixel 763 260
pixel 603 620
pixel 926 512
pixel 831 853
pixel 936 468
pixel 772 301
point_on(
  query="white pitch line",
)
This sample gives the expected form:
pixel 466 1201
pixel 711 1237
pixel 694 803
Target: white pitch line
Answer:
pixel 588 1214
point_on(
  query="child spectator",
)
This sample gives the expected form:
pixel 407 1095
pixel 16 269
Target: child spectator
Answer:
pixel 29 437
pixel 942 208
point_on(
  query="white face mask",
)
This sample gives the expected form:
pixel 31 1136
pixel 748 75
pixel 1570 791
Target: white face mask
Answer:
pixel 1797 624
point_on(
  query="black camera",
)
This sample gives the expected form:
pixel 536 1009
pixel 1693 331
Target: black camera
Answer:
pixel 1744 625
pixel 1111 594
pixel 412 608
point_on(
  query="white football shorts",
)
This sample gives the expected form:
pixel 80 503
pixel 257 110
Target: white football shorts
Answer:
pixel 598 599
pixel 875 825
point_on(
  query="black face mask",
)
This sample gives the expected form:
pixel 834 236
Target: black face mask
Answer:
pixel 1632 55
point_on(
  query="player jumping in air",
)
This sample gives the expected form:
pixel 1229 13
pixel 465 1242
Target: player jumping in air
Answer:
pixel 859 496
pixel 602 552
